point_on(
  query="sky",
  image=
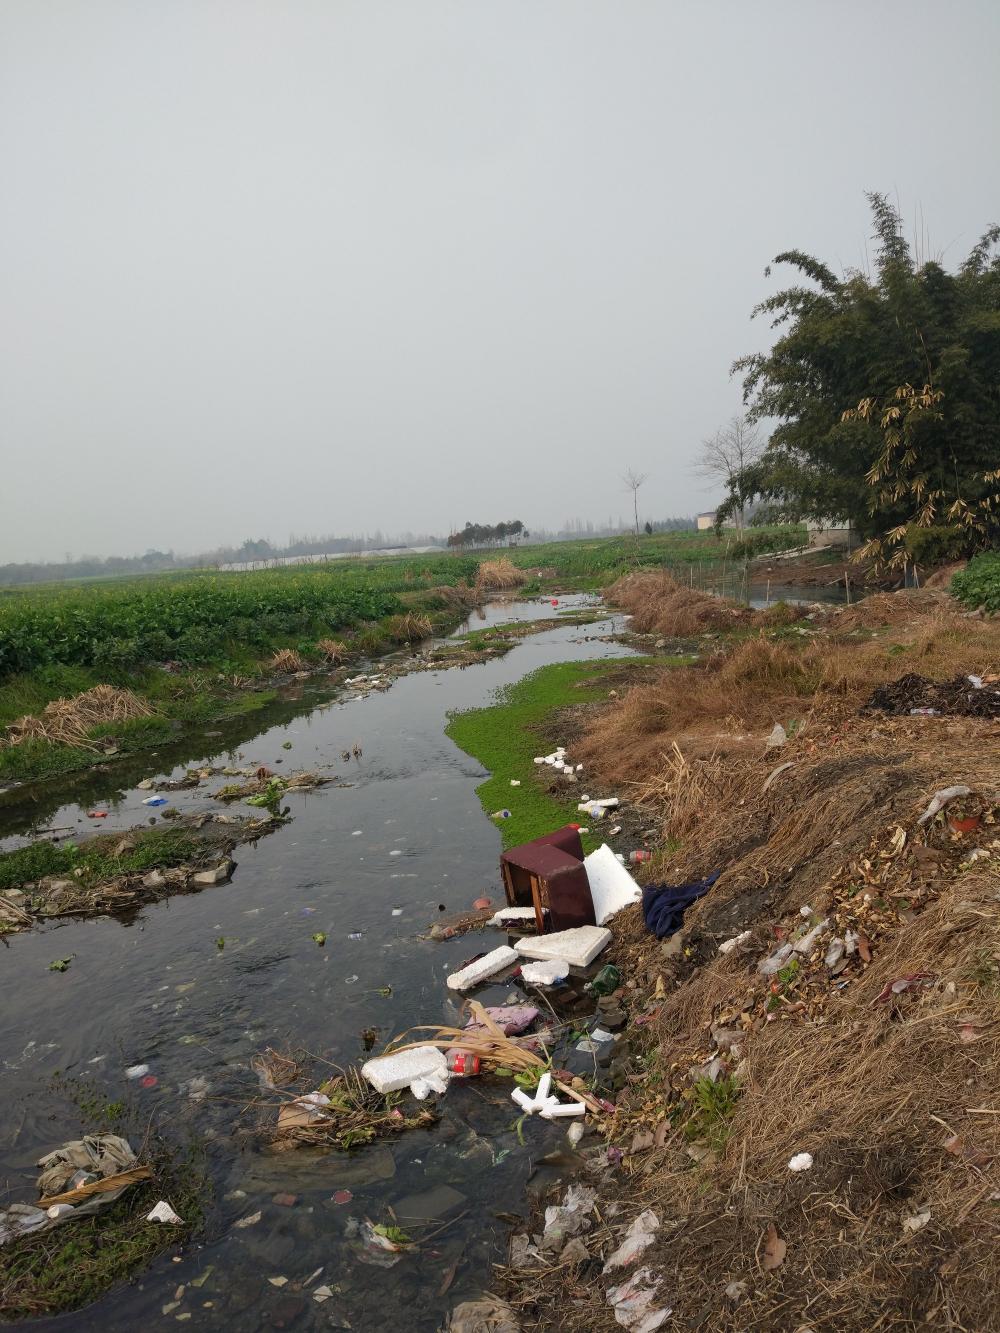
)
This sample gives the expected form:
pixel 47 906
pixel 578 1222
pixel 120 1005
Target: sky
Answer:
pixel 316 266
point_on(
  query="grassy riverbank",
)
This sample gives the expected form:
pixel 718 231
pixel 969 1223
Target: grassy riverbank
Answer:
pixel 850 1026
pixel 523 723
pixel 590 563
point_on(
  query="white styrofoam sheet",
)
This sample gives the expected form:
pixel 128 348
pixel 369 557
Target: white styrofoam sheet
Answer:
pixel 390 1073
pixel 578 946
pixel 611 886
pixel 484 967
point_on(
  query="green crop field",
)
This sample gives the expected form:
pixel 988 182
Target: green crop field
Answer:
pixel 198 617
pixel 595 561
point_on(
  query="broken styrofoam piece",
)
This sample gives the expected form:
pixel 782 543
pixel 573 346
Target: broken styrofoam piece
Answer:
pixel 941 799
pixel 578 946
pixel 481 968
pixel 776 961
pixel 834 953
pixel 163 1213
pixel 632 1302
pixel 807 943
pixel 597 809
pixel 728 946
pixel 423 1066
pixel 778 736
pixel 548 1106
pixel 639 1236
pixel 545 974
pixel 513 914
pixel 802 1161
pixel 611 886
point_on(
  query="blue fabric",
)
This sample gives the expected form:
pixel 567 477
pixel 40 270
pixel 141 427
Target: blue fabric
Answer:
pixel 664 905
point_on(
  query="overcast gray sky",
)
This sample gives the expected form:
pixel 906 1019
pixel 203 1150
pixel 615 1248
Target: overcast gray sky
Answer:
pixel 327 265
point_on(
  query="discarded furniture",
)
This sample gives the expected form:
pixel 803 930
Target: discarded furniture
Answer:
pixel 548 874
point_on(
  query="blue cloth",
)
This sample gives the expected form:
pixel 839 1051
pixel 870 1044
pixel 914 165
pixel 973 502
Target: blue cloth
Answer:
pixel 664 905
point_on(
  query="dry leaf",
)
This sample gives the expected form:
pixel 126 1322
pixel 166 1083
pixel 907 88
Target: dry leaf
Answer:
pixel 775 1248
pixel 864 948
pixel 662 1130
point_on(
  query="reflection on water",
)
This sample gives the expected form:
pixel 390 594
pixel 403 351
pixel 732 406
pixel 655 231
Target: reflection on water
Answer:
pixel 407 834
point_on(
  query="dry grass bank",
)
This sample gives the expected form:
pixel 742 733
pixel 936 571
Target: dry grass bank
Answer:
pixel 873 1048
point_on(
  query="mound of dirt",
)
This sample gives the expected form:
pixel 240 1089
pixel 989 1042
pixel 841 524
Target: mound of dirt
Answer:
pixel 962 697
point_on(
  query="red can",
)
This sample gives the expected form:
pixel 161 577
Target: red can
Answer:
pixel 638 857
pixel 463 1064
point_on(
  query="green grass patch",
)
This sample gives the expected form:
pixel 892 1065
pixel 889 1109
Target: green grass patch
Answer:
pixel 95 859
pixel 506 736
pixel 979 583
pixel 711 1109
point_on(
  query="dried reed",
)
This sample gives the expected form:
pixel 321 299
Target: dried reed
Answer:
pixel 70 721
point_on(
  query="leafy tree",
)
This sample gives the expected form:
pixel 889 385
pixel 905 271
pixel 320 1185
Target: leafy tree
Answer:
pixel 851 349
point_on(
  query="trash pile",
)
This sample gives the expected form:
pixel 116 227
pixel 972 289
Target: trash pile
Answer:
pixel 77 1180
pixel 914 695
pixel 343 1112
pixel 265 788
pixel 583 1231
pixel 548 883
pixel 198 858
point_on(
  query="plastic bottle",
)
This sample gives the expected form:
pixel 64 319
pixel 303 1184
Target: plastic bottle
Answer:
pixel 461 1063
pixel 606 982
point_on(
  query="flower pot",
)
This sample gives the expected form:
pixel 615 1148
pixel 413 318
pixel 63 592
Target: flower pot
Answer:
pixel 967 825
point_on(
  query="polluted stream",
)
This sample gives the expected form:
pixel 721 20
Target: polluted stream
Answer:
pixel 371 865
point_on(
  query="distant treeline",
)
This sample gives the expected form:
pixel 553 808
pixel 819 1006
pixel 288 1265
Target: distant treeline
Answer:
pixel 487 534
pixel 260 549
pixel 153 562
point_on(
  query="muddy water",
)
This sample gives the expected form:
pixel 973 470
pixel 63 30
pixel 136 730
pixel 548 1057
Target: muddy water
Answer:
pixel 377 858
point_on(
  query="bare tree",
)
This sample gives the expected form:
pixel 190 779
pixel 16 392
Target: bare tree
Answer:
pixel 633 480
pixel 724 456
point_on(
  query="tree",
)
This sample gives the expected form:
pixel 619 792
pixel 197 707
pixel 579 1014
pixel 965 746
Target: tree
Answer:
pixel 725 456
pixel 648 528
pixel 861 339
pixel 633 480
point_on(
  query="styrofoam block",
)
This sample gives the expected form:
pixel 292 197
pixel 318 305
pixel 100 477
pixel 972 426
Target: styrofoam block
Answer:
pixel 484 967
pixel 545 974
pixel 579 946
pixel 611 886
pixel 390 1073
pixel 515 914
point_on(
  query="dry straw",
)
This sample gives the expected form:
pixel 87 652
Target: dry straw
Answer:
pixel 70 721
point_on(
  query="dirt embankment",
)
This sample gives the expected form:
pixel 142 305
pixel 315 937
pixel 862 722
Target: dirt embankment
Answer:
pixel 857 1017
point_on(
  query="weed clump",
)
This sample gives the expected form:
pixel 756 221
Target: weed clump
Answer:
pixel 287 660
pixel 71 721
pixel 500 575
